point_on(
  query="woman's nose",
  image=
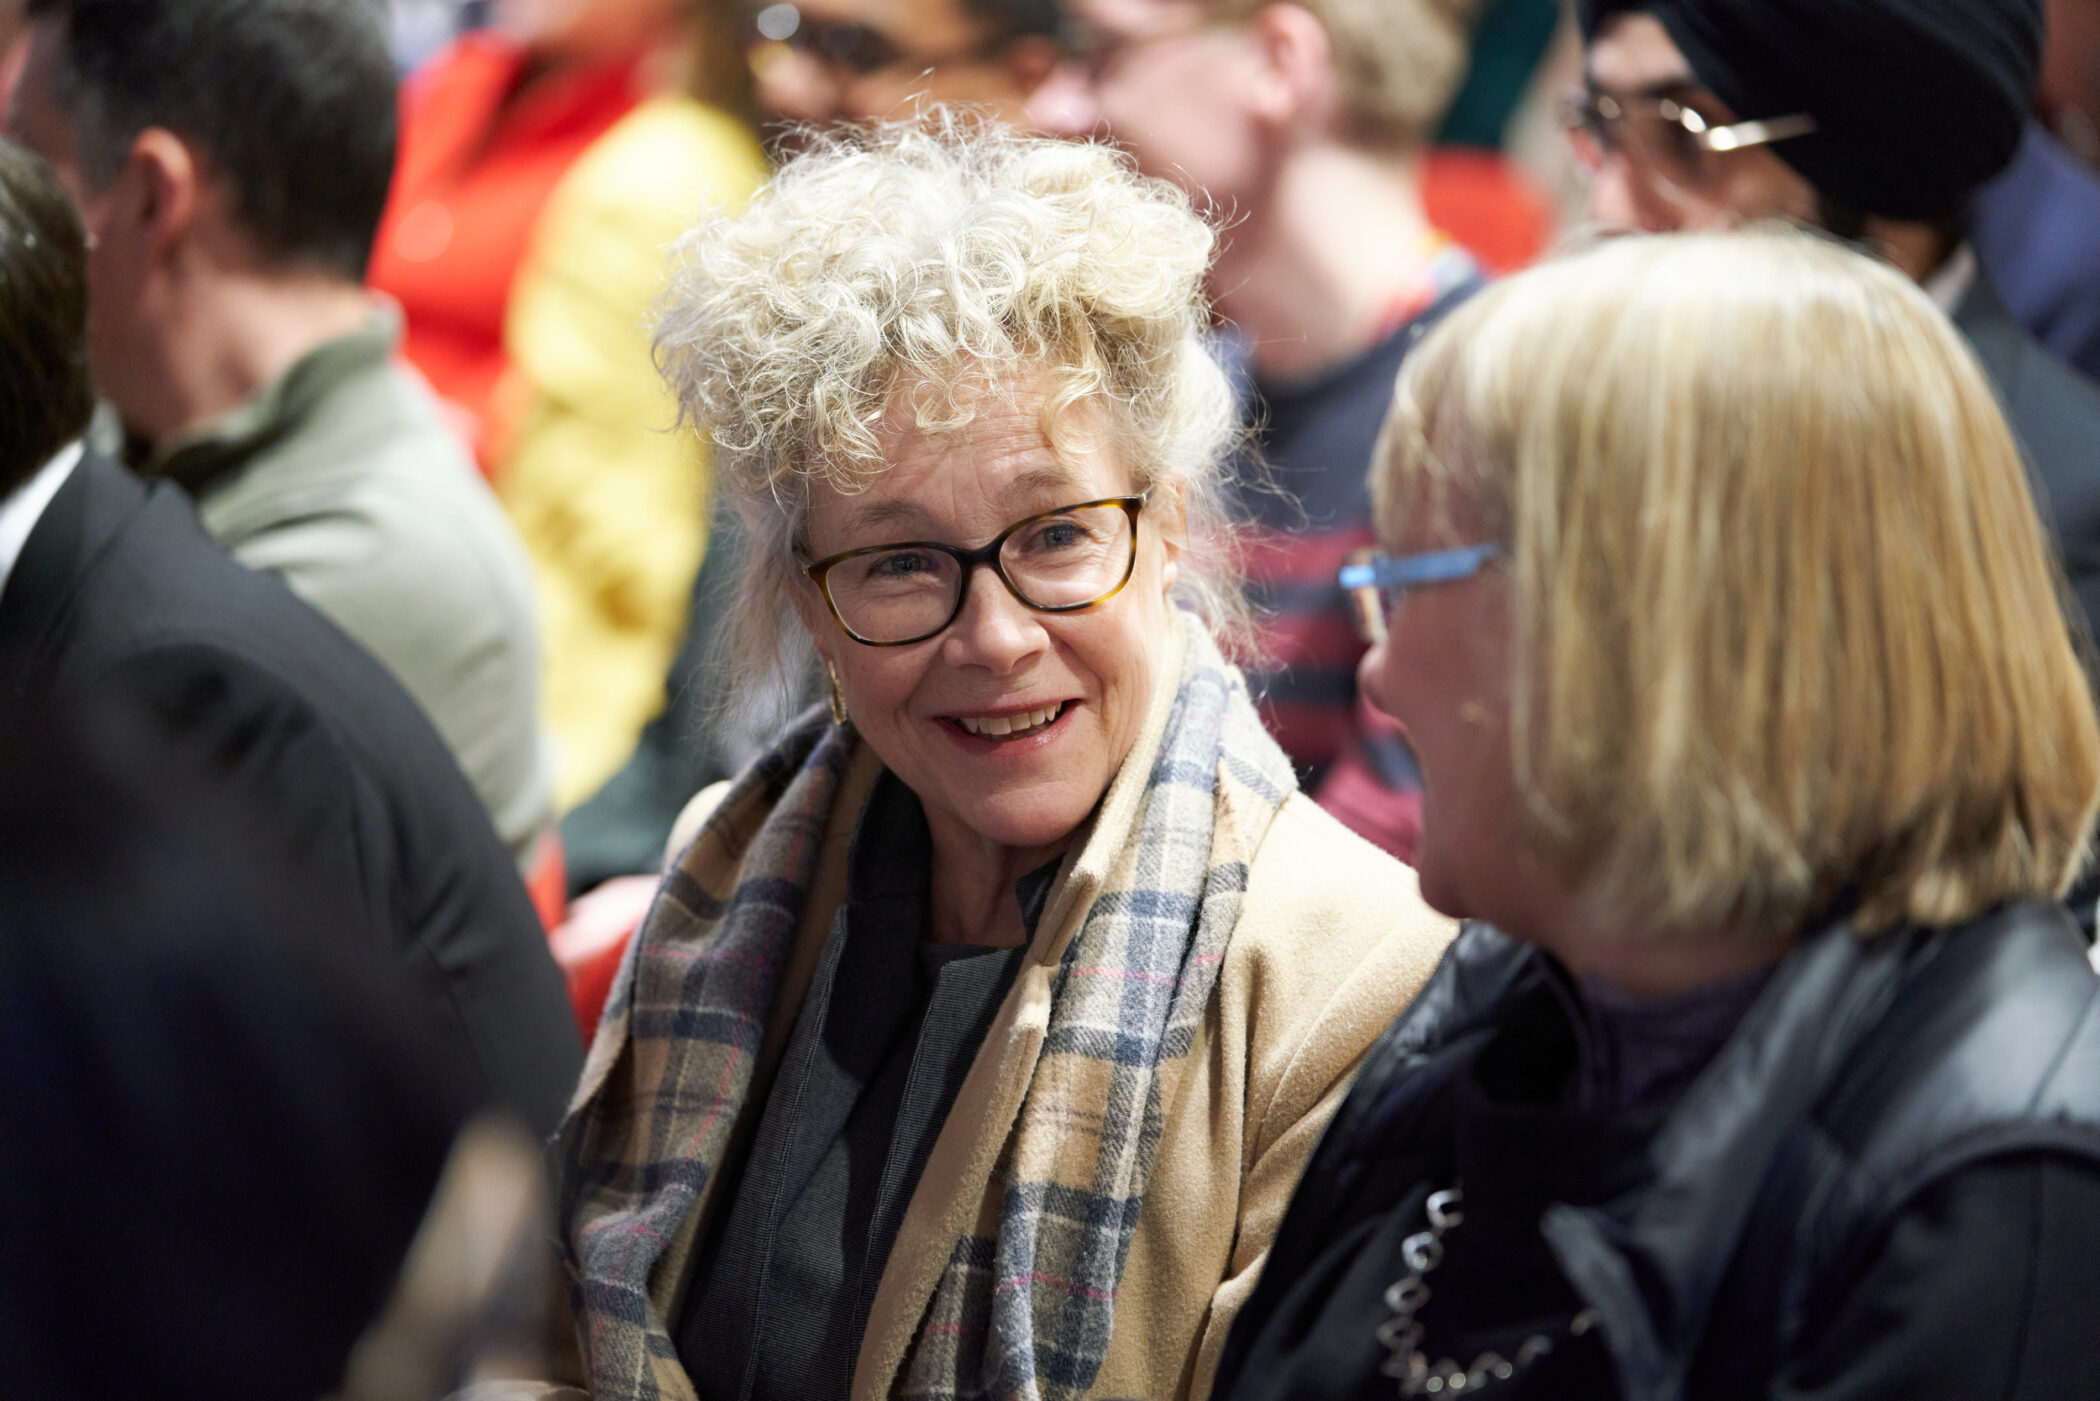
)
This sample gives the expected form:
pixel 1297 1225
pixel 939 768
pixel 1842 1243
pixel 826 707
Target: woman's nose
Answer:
pixel 994 630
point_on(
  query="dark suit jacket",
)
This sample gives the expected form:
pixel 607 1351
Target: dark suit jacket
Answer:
pixel 2055 413
pixel 119 593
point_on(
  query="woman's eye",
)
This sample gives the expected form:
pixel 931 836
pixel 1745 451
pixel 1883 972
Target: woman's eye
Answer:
pixel 904 564
pixel 1060 535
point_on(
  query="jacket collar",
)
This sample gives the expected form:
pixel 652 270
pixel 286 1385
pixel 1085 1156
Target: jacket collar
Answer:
pixel 96 501
pixel 1676 1235
pixel 280 408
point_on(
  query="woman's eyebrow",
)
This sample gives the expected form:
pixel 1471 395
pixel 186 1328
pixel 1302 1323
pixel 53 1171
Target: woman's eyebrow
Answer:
pixel 873 515
pixel 1054 480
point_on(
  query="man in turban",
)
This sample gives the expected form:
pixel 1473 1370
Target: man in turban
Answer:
pixel 1874 119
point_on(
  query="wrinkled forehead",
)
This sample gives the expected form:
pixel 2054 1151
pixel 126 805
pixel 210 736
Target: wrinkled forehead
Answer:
pixel 963 482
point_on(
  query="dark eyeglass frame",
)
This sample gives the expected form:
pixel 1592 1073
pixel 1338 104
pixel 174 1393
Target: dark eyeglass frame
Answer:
pixel 861 49
pixel 1376 582
pixel 818 572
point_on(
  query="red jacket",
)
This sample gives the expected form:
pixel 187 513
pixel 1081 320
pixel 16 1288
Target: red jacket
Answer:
pixel 475 166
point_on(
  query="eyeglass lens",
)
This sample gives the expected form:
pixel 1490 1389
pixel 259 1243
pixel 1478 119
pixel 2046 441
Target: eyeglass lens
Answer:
pixel 1064 560
pixel 1649 133
pixel 854 47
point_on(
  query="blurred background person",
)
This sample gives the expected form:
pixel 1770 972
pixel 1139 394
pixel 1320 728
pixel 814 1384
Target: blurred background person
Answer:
pixel 1304 126
pixel 2070 86
pixel 2032 224
pixel 224 1111
pixel 1756 756
pixel 229 330
pixel 109 588
pixel 1889 156
pixel 225 1120
pixel 610 498
pixel 612 503
pixel 822 61
pixel 488 129
pixel 1022 925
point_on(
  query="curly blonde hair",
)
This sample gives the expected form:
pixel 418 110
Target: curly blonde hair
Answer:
pixel 910 268
pixel 1788 629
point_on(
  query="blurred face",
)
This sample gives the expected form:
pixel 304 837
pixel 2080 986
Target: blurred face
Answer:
pixel 1443 673
pixel 1654 178
pixel 1161 80
pixel 821 61
pixel 1010 723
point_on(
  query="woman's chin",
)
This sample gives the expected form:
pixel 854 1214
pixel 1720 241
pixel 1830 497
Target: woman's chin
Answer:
pixel 1024 820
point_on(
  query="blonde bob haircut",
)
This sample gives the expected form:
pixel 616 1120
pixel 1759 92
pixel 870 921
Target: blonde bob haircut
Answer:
pixel 907 269
pixel 1786 634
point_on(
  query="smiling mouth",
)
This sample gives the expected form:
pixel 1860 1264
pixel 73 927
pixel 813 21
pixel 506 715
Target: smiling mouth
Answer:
pixel 1011 727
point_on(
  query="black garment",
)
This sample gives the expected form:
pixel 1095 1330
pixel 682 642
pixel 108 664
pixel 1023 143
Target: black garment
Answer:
pixel 1916 102
pixel 782 1288
pixel 2055 413
pixel 221 1124
pixel 1885 1184
pixel 2033 229
pixel 119 592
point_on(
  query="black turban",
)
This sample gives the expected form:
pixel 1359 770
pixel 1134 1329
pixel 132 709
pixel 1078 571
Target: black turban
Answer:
pixel 1917 102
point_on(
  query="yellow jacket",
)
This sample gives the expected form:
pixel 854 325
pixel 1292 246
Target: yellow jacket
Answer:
pixel 611 503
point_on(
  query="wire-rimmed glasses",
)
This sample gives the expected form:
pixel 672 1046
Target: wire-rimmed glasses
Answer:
pixel 1375 581
pixel 1057 562
pixel 1667 138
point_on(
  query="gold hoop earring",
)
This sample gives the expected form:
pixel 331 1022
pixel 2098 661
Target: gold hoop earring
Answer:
pixel 838 696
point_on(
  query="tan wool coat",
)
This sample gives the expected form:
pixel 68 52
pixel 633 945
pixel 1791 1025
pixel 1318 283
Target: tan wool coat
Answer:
pixel 1332 942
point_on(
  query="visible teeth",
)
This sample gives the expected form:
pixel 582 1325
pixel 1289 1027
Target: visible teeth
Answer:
pixel 1010 724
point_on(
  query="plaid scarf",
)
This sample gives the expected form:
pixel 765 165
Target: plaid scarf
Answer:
pixel 1025 1303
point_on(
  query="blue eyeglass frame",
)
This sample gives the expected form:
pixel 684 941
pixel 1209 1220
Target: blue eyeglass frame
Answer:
pixel 1392 575
pixel 1383 571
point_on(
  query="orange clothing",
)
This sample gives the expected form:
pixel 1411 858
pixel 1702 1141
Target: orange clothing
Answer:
pixel 474 169
pixel 1487 204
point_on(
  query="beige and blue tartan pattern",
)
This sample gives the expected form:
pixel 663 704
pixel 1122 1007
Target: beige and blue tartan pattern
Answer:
pixel 1025 1304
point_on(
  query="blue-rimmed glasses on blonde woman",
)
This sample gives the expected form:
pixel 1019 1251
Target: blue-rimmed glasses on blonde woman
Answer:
pixel 1375 581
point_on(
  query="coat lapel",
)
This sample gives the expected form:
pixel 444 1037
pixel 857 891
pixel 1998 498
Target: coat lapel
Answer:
pixel 88 512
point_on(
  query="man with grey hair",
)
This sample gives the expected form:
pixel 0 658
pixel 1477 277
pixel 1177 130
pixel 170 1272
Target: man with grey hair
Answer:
pixel 1303 125
pixel 230 158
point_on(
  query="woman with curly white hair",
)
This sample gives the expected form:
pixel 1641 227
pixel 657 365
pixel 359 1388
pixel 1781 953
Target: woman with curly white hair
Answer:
pixel 975 1040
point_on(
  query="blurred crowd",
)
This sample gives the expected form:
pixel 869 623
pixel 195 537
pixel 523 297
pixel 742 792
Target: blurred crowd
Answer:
pixel 495 745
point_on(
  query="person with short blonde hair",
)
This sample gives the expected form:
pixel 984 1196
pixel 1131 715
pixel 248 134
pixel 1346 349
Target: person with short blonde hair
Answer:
pixel 1305 126
pixel 1397 63
pixel 1720 615
pixel 980 1027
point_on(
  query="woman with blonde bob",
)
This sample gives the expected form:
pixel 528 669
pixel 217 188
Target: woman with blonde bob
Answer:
pixel 1753 743
pixel 976 1037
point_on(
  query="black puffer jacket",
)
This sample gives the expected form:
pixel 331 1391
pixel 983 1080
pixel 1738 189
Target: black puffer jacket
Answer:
pixel 1867 1074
